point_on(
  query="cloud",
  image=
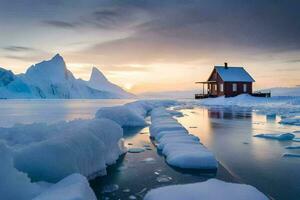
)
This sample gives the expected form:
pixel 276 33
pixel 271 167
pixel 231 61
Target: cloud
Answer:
pixel 60 24
pixel 14 48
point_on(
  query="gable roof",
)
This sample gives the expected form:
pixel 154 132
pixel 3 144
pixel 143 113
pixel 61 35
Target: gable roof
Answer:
pixel 234 74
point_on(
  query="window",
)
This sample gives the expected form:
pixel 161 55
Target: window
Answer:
pixel 244 87
pixel 221 87
pixel 215 87
pixel 234 87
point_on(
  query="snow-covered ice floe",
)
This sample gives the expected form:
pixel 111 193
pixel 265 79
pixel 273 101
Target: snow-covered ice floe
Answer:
pixel 52 152
pixel 73 187
pixel 209 190
pixel 181 149
pixel 279 136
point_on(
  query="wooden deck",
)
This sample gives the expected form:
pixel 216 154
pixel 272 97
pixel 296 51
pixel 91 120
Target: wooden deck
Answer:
pixel 204 96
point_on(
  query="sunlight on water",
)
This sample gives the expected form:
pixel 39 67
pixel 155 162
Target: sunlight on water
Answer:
pixel 256 161
pixel 50 111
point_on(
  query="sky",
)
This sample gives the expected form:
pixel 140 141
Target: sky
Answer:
pixel 155 45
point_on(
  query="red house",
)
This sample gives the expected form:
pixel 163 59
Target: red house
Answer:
pixel 227 81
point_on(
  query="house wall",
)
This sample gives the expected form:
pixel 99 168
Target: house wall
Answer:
pixel 240 88
pixel 215 91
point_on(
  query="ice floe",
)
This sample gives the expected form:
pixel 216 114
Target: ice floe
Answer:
pixel 73 187
pixel 136 150
pixel 291 155
pixel 209 190
pixel 279 136
pixel 292 147
pixel 291 121
pixel 181 149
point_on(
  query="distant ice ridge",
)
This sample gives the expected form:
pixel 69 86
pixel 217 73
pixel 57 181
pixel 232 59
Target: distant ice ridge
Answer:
pixel 209 190
pixel 181 149
pixel 51 79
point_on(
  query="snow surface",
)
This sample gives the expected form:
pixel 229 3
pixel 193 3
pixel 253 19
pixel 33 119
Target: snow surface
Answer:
pixel 209 190
pixel 181 149
pixel 52 79
pixel 73 187
pixel 279 136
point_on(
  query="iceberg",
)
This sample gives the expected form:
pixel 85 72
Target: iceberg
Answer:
pixel 209 190
pixel 51 79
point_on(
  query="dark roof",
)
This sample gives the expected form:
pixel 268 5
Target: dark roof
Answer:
pixel 234 74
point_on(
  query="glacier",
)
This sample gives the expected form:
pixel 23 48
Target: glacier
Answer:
pixel 52 80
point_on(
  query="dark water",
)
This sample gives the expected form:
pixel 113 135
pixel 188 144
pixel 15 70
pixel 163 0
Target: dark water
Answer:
pixel 136 173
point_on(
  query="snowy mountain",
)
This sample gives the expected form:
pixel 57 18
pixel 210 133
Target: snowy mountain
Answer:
pixel 99 82
pixel 52 79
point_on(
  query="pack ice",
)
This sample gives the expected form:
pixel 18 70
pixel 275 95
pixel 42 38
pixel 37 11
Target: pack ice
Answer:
pixel 58 153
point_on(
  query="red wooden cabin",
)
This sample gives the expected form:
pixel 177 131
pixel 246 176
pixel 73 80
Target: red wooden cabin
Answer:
pixel 227 81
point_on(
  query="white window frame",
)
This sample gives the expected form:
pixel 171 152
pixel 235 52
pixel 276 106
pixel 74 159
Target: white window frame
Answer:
pixel 245 88
pixel 234 87
pixel 221 87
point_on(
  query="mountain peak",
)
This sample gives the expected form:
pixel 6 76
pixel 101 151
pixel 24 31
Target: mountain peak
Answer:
pixel 57 57
pixel 97 75
pixel 53 70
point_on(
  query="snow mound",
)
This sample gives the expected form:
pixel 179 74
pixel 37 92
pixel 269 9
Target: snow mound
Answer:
pixel 73 187
pixel 181 149
pixel 280 136
pixel 209 190
pixel 79 146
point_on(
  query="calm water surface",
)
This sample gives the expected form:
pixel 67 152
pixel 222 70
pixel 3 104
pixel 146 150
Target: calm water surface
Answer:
pixel 228 132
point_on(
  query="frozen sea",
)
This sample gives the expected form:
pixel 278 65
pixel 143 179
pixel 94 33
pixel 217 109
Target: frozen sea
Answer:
pixel 228 132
